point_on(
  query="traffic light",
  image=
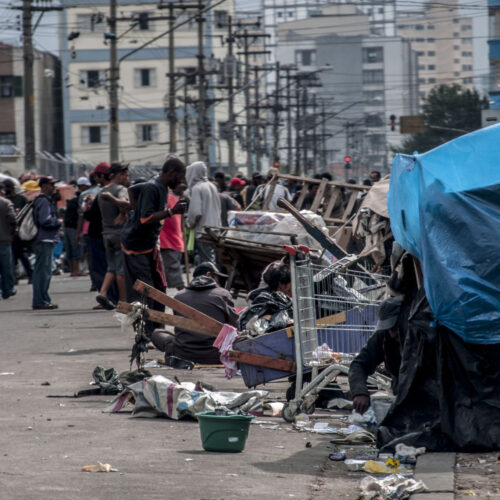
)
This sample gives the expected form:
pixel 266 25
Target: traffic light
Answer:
pixel 277 163
pixel 393 122
pixel 347 162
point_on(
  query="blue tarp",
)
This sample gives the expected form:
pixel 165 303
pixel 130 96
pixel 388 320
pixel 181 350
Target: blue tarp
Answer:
pixel 444 207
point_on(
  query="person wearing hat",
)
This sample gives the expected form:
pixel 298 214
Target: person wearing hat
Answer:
pixel 205 294
pixel 383 346
pixel 237 186
pixel 48 223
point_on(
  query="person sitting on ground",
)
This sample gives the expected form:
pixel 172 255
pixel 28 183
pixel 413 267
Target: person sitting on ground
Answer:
pixel 384 346
pixel 206 295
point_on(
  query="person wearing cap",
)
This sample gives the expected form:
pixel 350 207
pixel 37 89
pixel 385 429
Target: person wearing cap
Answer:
pixel 113 220
pixel 383 346
pixel 204 209
pixel 48 223
pixel 205 294
pixel 237 186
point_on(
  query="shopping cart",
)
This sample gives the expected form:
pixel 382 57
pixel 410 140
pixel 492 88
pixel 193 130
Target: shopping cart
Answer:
pixel 335 309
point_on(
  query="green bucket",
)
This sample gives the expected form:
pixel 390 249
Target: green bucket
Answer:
pixel 226 433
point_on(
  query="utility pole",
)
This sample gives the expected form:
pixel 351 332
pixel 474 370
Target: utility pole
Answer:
pixel 323 134
pixel 29 98
pixel 172 111
pixel 201 87
pixel 246 82
pixel 113 85
pixel 186 125
pixel 256 128
pixel 276 123
pixel 289 119
pixel 315 135
pixel 230 67
pixel 304 138
pixel 297 131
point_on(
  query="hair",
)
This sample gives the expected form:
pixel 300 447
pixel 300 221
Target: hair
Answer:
pixel 377 173
pixel 117 167
pixel 367 182
pixel 326 175
pixel 219 175
pixel 172 163
pixel 276 275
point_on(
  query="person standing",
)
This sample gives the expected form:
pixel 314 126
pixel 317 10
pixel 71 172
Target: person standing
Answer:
pixel 7 231
pixel 45 216
pixel 257 180
pixel 204 208
pixel 139 237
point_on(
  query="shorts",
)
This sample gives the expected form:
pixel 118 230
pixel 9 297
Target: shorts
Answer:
pixel 114 253
pixel 172 267
pixel 72 249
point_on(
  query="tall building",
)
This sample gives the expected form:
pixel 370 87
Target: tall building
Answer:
pixel 443 42
pixel 143 81
pixel 494 53
pixel 48 115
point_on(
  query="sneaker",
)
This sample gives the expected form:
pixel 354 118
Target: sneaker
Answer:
pixel 105 302
pixel 46 306
pixel 11 294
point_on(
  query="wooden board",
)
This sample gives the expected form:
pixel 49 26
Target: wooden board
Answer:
pixel 264 361
pixel 169 319
pixel 209 324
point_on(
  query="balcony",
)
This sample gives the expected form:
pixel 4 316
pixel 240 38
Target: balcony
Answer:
pixel 494 49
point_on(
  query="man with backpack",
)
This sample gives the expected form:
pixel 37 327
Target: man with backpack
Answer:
pixel 48 224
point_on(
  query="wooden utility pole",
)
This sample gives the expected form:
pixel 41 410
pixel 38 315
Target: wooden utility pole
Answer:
pixel 276 123
pixel 113 86
pixel 201 88
pixel 29 98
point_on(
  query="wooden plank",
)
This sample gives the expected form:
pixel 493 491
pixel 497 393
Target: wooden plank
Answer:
pixel 269 197
pixel 319 195
pixel 302 195
pixel 169 319
pixel 208 323
pixel 264 361
pixel 336 192
pixel 350 205
pixel 334 319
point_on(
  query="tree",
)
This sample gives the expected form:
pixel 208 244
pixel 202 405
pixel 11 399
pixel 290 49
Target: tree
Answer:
pixel 449 111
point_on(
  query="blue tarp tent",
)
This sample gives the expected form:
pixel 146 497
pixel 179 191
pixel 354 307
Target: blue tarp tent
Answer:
pixel 444 207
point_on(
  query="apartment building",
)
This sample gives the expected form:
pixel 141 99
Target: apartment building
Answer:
pixel 494 53
pixel 143 82
pixel 443 42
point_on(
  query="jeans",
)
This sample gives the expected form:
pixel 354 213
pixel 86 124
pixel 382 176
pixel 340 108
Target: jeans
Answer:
pixel 7 279
pixel 205 252
pixel 42 273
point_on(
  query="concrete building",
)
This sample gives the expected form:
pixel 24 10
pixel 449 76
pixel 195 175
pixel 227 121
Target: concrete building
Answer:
pixel 371 78
pixel 143 83
pixel 48 106
pixel 443 41
pixel 494 53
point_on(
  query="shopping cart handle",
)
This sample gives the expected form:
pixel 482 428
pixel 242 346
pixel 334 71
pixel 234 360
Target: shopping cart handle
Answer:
pixel 290 250
pixel 304 249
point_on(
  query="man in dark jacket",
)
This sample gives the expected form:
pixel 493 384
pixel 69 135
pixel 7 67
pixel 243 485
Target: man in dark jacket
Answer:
pixel 45 216
pixel 205 295
pixel 383 347
pixel 7 230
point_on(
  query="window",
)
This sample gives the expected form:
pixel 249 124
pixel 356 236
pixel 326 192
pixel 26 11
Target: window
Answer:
pixel 419 27
pixel 220 18
pixel 431 53
pixel 421 66
pixel 431 67
pixel 466 27
pixel 305 57
pixel 147 132
pixel 92 78
pixel 466 54
pixel 431 80
pixel 402 27
pixel 456 73
pixel 184 16
pixel 7 138
pixel 421 94
pixel 467 80
pixel 420 40
pixel 466 67
pixel 467 41
pixel 380 10
pixel 421 80
pixel 373 55
pixel 95 134
pixel 91 23
pixel 456 21
pixel 431 27
pixel 373 76
pixel 144 23
pixel 456 34
pixel 290 14
pixel 456 47
pixel 420 53
pixel 144 77
pixel 431 40
pixel 373 97
pixel 279 14
pixel 374 120
pixel 11 86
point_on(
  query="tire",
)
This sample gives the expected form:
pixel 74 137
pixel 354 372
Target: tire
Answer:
pixel 288 413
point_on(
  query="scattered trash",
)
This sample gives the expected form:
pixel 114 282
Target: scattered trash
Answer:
pixel 393 486
pixel 156 364
pixel 354 465
pixel 469 492
pixel 188 460
pixel 481 460
pixel 276 408
pixel 45 383
pixel 98 468
pixel 308 444
pixel 301 420
pixel 340 403
pixel 71 350
pixel 356 437
pixel 402 450
pixel 30 428
pixel 7 373
pixel 389 467
pixel 337 457
pixel 280 447
pixel 368 417
pixel 269 426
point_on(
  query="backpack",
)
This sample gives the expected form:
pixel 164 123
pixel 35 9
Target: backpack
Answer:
pixel 26 223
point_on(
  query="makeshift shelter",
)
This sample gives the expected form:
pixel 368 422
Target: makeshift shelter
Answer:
pixel 444 208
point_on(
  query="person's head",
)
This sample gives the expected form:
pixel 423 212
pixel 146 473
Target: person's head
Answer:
pixel 278 279
pixel 257 179
pixel 220 180
pixel 9 187
pixel 375 176
pixel 313 189
pixel 237 184
pixel 327 176
pixel 351 181
pixel 210 270
pixel 195 173
pixel 173 172
pixel 101 173
pixel 119 173
pixel 179 190
pixel 83 184
pixel 388 316
pixel 367 182
pixel 271 173
pixel 47 185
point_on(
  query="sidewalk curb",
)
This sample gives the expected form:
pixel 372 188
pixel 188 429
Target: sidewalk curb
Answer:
pixel 437 471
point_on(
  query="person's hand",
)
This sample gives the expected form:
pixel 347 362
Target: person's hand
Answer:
pixel 180 207
pixel 361 403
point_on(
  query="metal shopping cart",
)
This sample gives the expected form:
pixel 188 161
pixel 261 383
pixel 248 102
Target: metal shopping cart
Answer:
pixel 335 309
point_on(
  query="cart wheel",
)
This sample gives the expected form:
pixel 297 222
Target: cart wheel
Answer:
pixel 308 409
pixel 289 411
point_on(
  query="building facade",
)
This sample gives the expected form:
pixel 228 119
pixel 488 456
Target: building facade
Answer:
pixel 48 106
pixel 143 82
pixel 494 53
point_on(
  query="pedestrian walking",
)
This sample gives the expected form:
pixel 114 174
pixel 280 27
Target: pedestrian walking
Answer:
pixel 7 230
pixel 45 216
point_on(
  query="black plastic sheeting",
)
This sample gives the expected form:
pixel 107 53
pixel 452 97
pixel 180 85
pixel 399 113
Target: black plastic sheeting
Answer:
pixel 448 394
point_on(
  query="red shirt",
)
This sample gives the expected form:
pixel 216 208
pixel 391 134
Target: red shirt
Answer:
pixel 171 232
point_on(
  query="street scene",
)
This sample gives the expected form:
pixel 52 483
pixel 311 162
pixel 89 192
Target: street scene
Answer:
pixel 250 249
